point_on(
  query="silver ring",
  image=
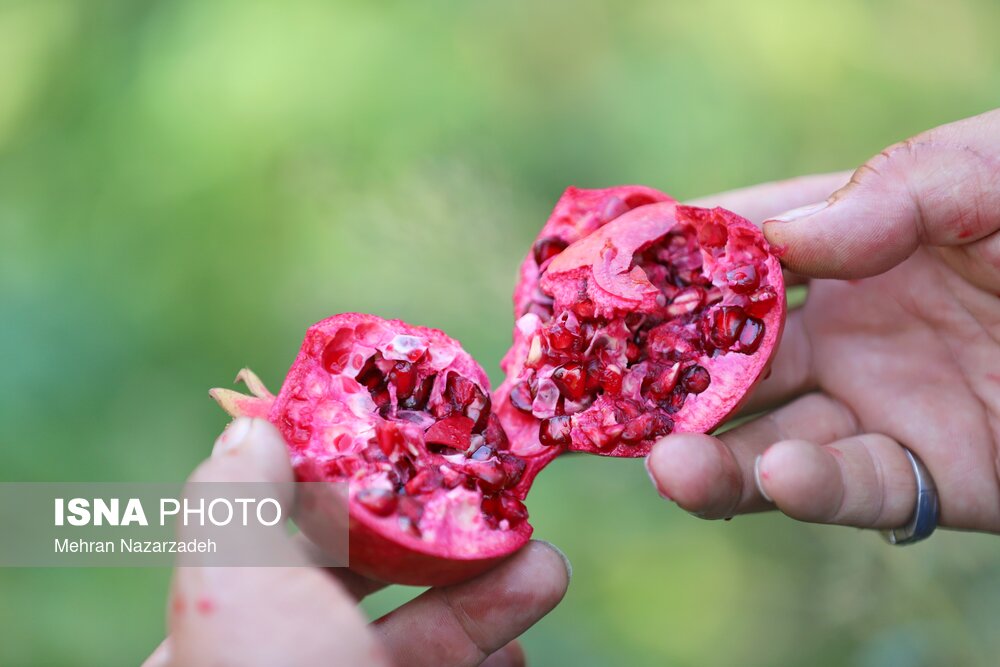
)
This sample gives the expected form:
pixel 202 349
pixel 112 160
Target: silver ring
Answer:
pixel 925 516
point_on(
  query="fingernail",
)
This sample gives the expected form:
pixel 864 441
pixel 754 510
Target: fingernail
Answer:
pixel 756 479
pixel 656 484
pixel 233 436
pixel 569 566
pixel 800 212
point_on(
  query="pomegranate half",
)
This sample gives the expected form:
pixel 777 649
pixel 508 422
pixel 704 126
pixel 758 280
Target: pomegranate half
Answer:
pixel 404 415
pixel 660 320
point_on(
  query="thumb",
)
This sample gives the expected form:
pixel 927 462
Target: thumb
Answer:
pixel 938 188
pixel 262 616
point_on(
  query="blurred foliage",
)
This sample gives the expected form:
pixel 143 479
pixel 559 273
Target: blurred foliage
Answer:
pixel 185 186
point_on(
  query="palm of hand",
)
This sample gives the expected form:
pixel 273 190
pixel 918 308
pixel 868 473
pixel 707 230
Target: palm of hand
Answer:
pixel 915 355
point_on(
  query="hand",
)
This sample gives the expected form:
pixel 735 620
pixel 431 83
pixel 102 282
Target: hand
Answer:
pixel 308 616
pixel 903 349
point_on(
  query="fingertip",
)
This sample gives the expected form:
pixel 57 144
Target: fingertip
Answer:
pixel 546 573
pixel 511 655
pixel 697 472
pixel 250 449
pixel 160 657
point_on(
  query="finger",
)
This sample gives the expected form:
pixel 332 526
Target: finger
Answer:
pixel 938 188
pixel 864 481
pixel 713 477
pixel 792 370
pixel 160 657
pixel 978 262
pixel 357 586
pixel 263 615
pixel 759 202
pixel 511 655
pixel 463 624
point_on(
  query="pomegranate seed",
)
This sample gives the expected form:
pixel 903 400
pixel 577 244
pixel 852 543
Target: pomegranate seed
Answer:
pixel 638 429
pixel 686 301
pixel 389 437
pixel 513 467
pixel 584 309
pixel 607 436
pixel 417 400
pixel 664 381
pixel 554 431
pixel 337 354
pixel 762 301
pixel 460 391
pixel 673 402
pixel 662 425
pixel 713 296
pixel 727 322
pixel 404 377
pixel 712 235
pixel 696 380
pixel 454 432
pixel 611 379
pixel 751 336
pixel 521 398
pixel 369 375
pixel 425 481
pixel 482 453
pixel 381 502
pixel 382 400
pixel 560 338
pixel 450 478
pixel 632 352
pixel 479 410
pixel 535 353
pixel 494 434
pixel 547 248
pixel 743 279
pixel 490 474
pixel 571 380
pixel 505 507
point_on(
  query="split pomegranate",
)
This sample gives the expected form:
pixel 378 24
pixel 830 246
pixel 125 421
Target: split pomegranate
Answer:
pixel 659 321
pixel 404 415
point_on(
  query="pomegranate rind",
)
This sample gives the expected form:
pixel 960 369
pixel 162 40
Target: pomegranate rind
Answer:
pixel 600 268
pixel 578 213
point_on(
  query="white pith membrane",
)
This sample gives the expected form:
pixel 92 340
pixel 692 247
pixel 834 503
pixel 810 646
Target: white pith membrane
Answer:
pixel 404 415
pixel 633 334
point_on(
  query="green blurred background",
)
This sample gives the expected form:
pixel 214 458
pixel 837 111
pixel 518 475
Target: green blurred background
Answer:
pixel 186 186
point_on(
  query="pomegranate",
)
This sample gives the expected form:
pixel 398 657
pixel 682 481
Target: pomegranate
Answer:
pixel 578 213
pixel 404 415
pixel 659 320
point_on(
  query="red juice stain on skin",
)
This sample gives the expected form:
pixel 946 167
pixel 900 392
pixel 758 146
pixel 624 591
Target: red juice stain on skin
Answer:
pixel 205 606
pixel 993 376
pixel 965 233
pixel 178 605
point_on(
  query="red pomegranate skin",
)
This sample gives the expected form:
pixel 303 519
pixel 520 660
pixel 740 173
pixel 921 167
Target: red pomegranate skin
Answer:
pixel 435 490
pixel 659 321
